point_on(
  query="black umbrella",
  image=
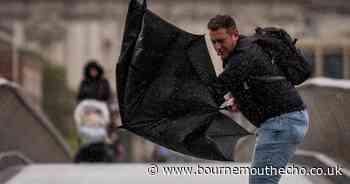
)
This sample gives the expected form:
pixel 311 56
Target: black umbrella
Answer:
pixel 164 78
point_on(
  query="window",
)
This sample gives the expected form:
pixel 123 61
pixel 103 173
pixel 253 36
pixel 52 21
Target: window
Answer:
pixel 333 63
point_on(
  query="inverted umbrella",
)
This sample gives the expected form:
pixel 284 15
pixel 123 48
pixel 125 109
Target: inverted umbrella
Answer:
pixel 164 84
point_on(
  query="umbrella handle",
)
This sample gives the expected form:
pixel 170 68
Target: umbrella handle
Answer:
pixel 224 108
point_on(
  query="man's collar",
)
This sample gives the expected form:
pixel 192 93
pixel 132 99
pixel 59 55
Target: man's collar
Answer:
pixel 236 49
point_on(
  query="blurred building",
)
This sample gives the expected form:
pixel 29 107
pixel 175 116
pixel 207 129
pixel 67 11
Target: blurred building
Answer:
pixel 69 32
pixel 20 64
pixel 6 52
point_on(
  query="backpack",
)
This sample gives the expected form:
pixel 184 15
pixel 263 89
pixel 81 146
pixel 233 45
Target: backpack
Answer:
pixel 280 46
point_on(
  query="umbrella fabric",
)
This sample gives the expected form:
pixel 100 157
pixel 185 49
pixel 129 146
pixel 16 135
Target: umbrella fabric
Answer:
pixel 164 77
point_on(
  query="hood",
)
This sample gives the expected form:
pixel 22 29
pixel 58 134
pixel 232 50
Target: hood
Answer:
pixel 93 64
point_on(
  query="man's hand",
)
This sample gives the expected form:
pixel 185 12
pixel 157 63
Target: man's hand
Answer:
pixel 230 103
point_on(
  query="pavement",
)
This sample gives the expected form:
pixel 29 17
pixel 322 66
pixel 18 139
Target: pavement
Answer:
pixel 140 173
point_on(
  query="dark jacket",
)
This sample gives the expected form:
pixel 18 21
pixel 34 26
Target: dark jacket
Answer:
pixel 94 88
pixel 259 87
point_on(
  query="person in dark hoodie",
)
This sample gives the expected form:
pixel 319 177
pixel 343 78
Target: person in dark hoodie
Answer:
pixel 263 94
pixel 94 85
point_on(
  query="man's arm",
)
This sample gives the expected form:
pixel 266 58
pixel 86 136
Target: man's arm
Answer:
pixel 239 67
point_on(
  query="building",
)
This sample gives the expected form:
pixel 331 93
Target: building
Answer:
pixel 20 65
pixel 71 32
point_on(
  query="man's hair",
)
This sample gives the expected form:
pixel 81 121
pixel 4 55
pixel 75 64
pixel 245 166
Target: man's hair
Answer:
pixel 221 21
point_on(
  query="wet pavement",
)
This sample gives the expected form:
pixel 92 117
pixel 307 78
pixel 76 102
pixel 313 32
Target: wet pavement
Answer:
pixel 140 173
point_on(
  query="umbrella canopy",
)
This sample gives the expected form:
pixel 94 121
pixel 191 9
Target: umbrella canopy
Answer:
pixel 164 78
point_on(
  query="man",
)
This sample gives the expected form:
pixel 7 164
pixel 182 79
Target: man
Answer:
pixel 262 94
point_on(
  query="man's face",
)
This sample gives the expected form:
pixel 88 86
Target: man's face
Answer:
pixel 224 40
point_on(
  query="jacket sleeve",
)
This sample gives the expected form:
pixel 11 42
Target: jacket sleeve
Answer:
pixel 237 72
pixel 81 92
pixel 107 90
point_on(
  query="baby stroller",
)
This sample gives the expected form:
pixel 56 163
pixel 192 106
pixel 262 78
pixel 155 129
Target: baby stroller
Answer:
pixel 92 118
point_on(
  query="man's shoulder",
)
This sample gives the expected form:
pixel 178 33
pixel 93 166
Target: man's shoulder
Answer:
pixel 245 48
pixel 246 44
pixel 248 47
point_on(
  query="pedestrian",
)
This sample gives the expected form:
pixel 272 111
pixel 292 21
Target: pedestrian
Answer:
pixel 262 94
pixel 94 85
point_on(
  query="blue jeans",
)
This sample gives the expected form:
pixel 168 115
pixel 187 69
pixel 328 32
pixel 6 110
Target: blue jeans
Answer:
pixel 276 142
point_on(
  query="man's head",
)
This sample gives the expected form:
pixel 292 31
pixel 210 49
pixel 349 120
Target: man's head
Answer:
pixel 223 33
